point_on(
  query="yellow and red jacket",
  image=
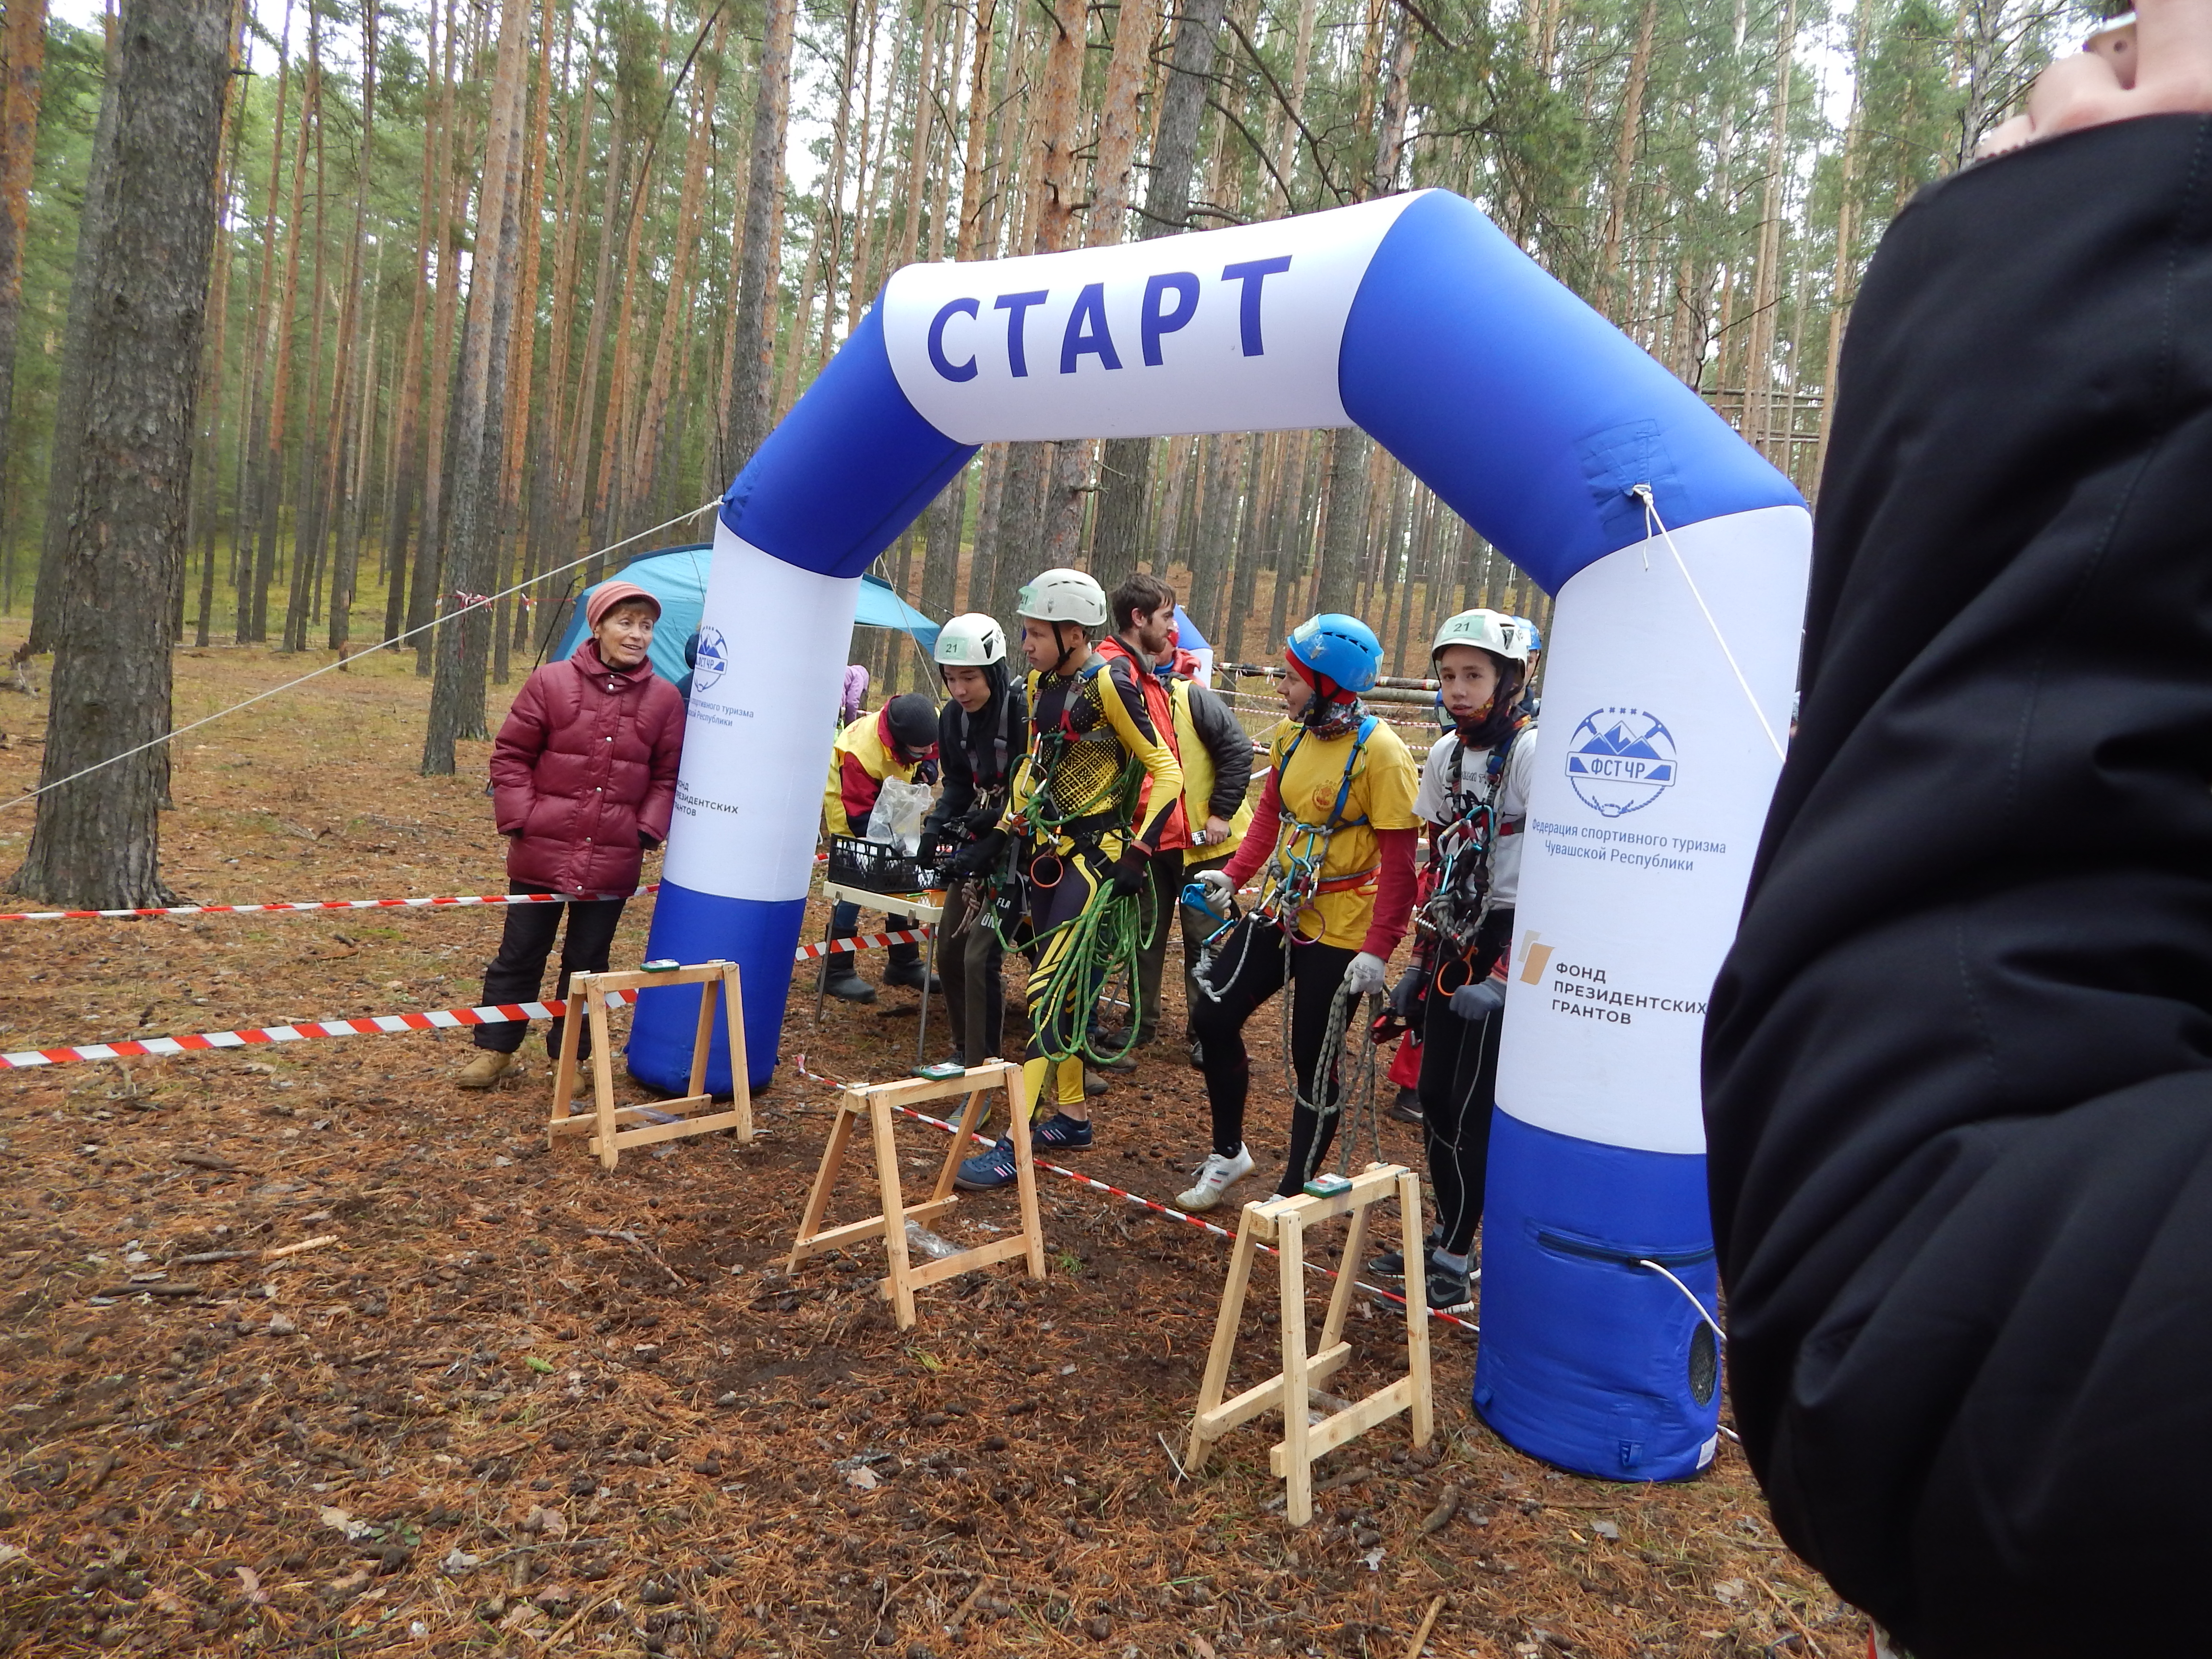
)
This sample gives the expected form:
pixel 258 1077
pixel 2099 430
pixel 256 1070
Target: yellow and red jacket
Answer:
pixel 862 757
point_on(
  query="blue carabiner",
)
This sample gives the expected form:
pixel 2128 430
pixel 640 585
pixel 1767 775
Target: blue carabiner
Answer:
pixel 1194 895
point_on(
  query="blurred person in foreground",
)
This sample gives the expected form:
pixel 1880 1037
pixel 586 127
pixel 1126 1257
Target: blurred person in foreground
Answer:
pixel 1959 1063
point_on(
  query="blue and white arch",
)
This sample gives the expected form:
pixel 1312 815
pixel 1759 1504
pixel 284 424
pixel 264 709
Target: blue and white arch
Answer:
pixel 1546 428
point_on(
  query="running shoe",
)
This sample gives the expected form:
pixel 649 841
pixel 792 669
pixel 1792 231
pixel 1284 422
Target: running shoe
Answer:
pixel 1448 1292
pixel 1061 1134
pixel 1214 1176
pixel 987 1172
pixel 1391 1264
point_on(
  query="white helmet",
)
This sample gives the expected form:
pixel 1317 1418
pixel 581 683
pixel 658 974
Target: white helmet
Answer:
pixel 1064 596
pixel 969 641
pixel 1486 630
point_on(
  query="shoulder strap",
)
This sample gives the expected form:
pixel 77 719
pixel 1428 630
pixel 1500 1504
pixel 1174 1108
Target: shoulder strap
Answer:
pixel 1368 726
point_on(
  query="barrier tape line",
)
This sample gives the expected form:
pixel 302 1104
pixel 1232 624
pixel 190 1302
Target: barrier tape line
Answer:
pixel 439 903
pixel 1138 1198
pixel 369 1025
pixel 376 1024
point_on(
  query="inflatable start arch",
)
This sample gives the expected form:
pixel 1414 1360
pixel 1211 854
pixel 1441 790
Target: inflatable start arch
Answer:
pixel 1678 557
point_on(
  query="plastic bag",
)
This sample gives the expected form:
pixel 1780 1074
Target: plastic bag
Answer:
pixel 899 811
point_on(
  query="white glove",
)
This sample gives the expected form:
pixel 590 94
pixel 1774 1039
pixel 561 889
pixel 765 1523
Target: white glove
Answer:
pixel 1219 889
pixel 1364 977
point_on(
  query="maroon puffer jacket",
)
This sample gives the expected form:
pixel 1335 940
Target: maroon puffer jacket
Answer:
pixel 584 765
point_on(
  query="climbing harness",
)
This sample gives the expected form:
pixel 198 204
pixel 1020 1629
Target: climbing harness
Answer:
pixel 1293 877
pixel 1097 950
pixel 1461 853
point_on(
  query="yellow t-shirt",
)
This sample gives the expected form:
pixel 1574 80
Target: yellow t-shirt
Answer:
pixel 1385 782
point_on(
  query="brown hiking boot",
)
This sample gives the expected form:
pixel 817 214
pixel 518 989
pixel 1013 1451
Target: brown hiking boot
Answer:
pixel 486 1069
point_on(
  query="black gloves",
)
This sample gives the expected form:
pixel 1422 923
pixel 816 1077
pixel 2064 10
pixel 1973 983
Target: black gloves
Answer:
pixel 925 853
pixel 1132 870
pixel 1407 993
pixel 979 856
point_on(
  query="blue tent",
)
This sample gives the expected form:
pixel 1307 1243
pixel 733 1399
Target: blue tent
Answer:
pixel 676 576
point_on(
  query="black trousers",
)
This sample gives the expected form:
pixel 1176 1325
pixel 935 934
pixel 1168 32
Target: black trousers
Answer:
pixel 1247 968
pixel 1459 1093
pixel 1166 870
pixel 517 974
pixel 971 960
pixel 1196 925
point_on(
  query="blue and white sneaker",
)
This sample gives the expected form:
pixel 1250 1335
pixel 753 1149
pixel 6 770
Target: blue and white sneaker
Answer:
pixel 987 1172
pixel 1061 1134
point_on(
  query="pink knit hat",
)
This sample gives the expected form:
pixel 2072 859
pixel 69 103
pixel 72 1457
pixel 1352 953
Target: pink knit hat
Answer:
pixel 607 595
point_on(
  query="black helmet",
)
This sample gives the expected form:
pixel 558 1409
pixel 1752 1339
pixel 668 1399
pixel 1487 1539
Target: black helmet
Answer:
pixel 913 721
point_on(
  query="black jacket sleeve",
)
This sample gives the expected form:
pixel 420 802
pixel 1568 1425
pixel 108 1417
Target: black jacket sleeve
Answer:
pixel 1229 744
pixel 959 791
pixel 1959 1063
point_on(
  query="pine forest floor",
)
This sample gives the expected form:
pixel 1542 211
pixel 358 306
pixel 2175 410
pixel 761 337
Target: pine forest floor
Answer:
pixel 522 1406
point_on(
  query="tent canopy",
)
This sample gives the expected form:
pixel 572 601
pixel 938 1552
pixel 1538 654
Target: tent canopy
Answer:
pixel 676 576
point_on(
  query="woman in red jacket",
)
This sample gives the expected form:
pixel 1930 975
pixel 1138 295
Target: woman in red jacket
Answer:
pixel 583 782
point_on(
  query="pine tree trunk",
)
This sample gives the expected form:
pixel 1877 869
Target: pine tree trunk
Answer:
pixel 1624 158
pixel 269 503
pixel 1289 119
pixel 426 595
pixel 1840 294
pixel 527 433
pixel 24 74
pixel 97 840
pixel 652 432
pixel 361 441
pixel 207 448
pixel 77 345
pixel 1766 272
pixel 403 468
pixel 595 332
pixel 550 485
pixel 342 428
pixel 868 180
pixel 1125 464
pixel 308 517
pixel 745 422
pixel 463 656
pixel 923 133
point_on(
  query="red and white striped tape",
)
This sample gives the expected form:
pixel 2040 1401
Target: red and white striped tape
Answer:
pixel 441 903
pixel 369 1025
pixel 1138 1198
pixel 374 1025
pixel 860 942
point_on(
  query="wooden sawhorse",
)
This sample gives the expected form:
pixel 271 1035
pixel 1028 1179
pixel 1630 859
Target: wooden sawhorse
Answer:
pixel 589 995
pixel 875 1102
pixel 1283 1222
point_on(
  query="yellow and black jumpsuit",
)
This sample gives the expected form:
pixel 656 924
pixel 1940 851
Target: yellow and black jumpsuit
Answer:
pixel 1073 812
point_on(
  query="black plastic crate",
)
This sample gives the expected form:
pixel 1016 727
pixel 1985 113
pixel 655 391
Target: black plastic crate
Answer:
pixel 880 867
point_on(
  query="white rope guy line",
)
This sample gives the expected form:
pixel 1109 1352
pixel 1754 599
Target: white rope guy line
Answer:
pixel 1643 493
pixel 1646 1261
pixel 475 603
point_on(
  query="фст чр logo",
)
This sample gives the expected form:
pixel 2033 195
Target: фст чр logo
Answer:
pixel 1620 759
pixel 713 660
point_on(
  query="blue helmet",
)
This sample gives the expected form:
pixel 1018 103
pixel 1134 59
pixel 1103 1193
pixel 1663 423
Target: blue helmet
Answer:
pixel 1337 655
pixel 1535 639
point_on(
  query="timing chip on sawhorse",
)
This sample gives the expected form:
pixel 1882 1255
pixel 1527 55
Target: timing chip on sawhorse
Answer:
pixel 875 1102
pixel 1283 1222
pixel 616 1128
